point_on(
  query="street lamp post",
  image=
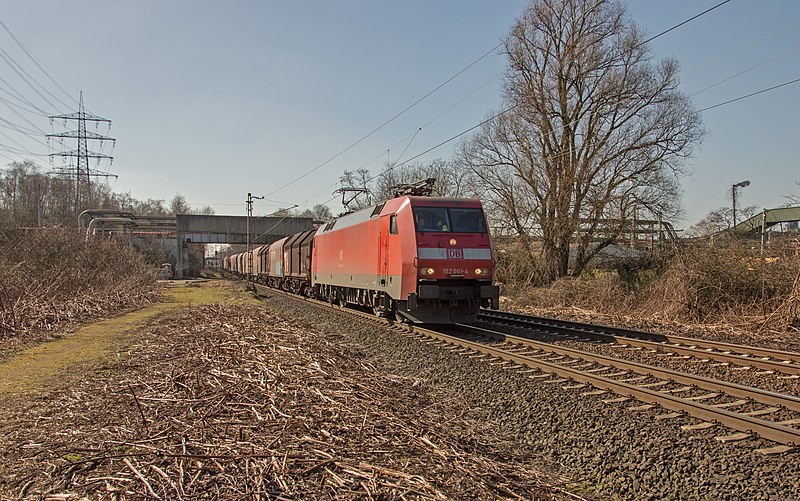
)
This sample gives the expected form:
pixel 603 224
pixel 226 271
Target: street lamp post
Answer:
pixel 743 184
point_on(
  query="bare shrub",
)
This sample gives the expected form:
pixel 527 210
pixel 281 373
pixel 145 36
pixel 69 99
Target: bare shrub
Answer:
pixel 515 265
pixel 51 276
pixel 728 282
pixel 598 291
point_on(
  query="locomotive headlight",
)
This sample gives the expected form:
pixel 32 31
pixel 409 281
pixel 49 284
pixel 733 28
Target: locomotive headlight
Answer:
pixel 427 271
pixel 481 271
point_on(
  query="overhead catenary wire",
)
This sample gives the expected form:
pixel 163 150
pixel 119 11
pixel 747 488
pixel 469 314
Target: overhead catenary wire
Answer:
pixel 387 122
pixel 762 63
pixel 496 76
pixel 762 91
pixel 739 49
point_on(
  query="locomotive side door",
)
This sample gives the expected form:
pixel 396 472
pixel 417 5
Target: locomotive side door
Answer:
pixel 383 254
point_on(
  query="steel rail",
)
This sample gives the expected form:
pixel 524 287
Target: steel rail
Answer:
pixel 650 339
pixel 766 429
pixel 738 390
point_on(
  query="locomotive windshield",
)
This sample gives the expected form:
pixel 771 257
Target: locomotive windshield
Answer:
pixel 443 219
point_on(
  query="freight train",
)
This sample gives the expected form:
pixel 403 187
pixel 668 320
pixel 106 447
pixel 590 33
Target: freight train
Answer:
pixel 418 259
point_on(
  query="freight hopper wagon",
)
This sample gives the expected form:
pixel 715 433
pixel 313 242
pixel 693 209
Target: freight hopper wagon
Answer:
pixel 423 259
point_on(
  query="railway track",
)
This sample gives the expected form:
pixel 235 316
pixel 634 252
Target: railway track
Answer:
pixel 711 401
pixel 747 356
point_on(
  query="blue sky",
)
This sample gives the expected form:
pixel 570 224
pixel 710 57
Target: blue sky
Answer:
pixel 218 99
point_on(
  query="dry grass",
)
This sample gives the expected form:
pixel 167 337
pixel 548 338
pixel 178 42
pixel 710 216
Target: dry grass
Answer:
pixel 230 402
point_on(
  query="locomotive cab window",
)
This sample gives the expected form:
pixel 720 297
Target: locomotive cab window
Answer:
pixel 393 225
pixel 431 219
pixel 442 219
pixel 468 220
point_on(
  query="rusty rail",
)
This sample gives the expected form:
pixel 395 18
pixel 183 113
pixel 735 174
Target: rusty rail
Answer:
pixel 783 362
pixel 740 422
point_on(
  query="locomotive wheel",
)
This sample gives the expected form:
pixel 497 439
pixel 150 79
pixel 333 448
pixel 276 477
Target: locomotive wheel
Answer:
pixel 342 300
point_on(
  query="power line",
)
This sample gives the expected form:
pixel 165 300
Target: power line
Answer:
pixel 18 128
pixel 23 108
pixel 20 151
pixel 384 124
pixel 505 111
pixel 36 127
pixel 453 138
pixel 36 139
pixel 409 136
pixel 684 22
pixel 745 46
pixel 20 97
pixel 749 95
pixel 762 63
pixel 25 76
pixel 28 53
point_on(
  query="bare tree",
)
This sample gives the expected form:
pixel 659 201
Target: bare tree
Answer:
pixel 179 205
pixel 451 179
pixel 319 212
pixel 793 198
pixel 595 129
pixel 205 210
pixel 719 220
pixel 24 191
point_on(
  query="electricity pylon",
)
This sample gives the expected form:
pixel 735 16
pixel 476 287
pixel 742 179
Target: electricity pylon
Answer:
pixel 82 154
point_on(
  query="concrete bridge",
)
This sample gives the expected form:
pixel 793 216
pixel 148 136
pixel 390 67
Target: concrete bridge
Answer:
pixel 192 229
pixel 189 229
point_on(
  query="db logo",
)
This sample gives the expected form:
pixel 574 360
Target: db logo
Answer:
pixel 455 253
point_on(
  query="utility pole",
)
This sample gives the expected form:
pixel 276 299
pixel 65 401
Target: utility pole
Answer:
pixel 250 199
pixel 82 154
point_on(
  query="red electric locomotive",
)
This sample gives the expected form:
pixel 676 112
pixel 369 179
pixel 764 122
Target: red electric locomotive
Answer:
pixel 423 259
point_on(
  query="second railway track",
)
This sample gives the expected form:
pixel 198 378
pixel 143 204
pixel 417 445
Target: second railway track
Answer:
pixel 784 362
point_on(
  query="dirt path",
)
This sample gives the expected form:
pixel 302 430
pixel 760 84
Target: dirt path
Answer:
pixel 33 369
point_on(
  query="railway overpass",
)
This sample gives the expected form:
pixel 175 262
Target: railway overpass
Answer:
pixel 188 229
pixel 194 229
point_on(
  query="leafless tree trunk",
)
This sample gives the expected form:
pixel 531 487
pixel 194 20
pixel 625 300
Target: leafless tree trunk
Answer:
pixel 594 130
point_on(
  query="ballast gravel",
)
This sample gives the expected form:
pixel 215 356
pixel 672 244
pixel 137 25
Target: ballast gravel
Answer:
pixel 607 450
pixel 660 356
